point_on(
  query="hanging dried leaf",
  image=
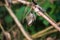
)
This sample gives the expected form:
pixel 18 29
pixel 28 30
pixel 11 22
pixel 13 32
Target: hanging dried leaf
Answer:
pixel 30 18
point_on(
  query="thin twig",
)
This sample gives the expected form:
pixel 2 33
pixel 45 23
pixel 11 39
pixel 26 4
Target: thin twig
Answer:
pixel 12 28
pixel 50 17
pixel 43 31
pixel 18 23
pixel 52 31
pixel 2 28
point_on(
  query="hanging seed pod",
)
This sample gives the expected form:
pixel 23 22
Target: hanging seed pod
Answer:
pixel 30 18
pixel 6 36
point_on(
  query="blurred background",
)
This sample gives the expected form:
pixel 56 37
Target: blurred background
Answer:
pixel 52 7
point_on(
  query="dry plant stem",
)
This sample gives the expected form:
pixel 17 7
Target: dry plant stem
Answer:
pixel 12 28
pixel 49 17
pixel 18 23
pixel 47 33
pixel 2 28
pixel 43 31
pixel 41 14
